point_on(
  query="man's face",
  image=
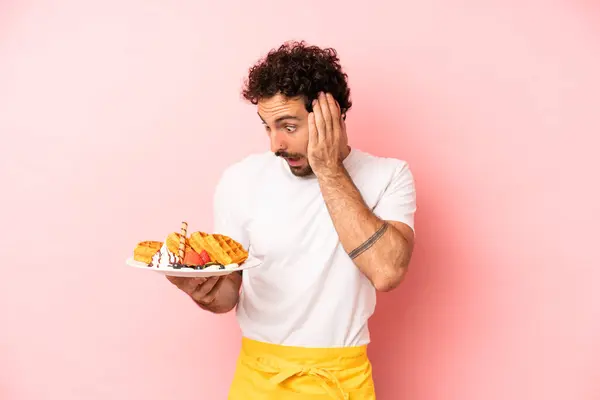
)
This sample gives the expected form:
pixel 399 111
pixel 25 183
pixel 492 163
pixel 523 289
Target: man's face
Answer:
pixel 286 122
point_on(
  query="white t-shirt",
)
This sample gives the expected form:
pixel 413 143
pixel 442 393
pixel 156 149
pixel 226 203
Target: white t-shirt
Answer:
pixel 307 292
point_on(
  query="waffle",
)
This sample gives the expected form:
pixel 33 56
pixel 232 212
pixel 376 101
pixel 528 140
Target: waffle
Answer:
pixel 144 251
pixel 173 243
pixel 190 257
pixel 220 248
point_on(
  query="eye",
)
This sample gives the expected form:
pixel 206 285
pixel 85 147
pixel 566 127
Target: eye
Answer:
pixel 290 128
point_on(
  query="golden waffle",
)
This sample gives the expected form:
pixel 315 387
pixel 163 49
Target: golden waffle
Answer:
pixel 173 243
pixel 144 251
pixel 220 248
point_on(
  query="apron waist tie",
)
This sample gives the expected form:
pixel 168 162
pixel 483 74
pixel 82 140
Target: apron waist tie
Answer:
pixel 326 378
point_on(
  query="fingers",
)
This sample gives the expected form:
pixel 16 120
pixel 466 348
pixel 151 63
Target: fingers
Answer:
pixel 319 122
pixel 313 137
pixel 327 115
pixel 188 285
pixel 336 119
pixel 175 280
pixel 202 290
pixel 205 288
pixel 334 108
pixel 210 296
pixel 326 112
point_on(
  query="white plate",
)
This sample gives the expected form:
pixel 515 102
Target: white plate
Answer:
pixel 251 262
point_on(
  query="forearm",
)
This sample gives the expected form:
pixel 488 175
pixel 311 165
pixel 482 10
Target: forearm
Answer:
pixel 226 295
pixel 384 257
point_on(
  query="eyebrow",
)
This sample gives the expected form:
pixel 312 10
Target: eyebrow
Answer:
pixel 282 118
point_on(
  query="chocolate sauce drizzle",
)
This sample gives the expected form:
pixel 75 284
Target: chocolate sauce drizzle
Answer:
pixel 173 262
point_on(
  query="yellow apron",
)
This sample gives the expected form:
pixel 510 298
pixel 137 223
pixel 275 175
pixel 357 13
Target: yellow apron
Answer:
pixel 265 371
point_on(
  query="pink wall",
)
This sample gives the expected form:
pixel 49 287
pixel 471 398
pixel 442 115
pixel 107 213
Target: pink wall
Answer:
pixel 494 104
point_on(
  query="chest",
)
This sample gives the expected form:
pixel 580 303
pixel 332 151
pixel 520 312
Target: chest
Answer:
pixel 289 222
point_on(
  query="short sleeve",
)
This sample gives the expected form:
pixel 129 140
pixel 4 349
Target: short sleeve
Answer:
pixel 399 201
pixel 228 210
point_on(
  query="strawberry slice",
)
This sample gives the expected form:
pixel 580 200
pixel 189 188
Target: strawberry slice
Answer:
pixel 204 257
pixel 192 258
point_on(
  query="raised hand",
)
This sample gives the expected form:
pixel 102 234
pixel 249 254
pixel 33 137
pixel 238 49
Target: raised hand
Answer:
pixel 326 135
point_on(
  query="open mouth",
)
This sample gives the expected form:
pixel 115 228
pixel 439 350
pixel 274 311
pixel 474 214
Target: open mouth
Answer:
pixel 294 162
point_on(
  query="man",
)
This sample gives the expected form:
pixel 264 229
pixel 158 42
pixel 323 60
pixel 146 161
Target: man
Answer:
pixel 332 224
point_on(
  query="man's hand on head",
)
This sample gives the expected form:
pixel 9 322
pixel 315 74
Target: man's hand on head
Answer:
pixel 327 139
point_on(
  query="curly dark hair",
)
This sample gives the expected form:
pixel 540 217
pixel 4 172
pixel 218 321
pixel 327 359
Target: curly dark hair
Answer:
pixel 297 69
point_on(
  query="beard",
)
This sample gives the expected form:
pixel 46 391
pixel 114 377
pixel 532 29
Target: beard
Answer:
pixel 300 170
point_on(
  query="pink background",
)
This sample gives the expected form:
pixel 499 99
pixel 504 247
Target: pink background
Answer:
pixel 118 116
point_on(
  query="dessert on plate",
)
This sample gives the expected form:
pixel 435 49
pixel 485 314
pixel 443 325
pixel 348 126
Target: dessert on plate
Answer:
pixel 221 248
pixel 200 251
pixel 144 251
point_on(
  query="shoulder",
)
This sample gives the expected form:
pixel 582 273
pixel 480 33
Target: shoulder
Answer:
pixel 383 169
pixel 247 167
pixel 389 182
pixel 237 175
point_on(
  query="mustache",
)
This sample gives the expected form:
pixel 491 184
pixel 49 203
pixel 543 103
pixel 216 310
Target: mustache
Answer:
pixel 285 154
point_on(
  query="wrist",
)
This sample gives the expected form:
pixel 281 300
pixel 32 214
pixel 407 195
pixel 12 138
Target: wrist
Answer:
pixel 332 172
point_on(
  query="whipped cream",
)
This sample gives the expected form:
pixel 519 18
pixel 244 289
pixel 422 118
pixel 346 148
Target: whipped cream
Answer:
pixel 164 258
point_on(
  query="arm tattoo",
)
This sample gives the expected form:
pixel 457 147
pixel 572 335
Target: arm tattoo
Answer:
pixel 369 242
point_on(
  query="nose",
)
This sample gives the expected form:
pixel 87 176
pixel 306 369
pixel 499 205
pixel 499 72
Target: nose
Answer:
pixel 278 141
